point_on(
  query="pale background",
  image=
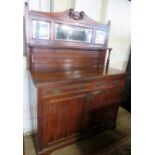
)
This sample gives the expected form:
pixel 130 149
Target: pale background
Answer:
pixel 143 76
pixel 117 11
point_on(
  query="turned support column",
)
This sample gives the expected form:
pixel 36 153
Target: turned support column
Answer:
pixel 108 59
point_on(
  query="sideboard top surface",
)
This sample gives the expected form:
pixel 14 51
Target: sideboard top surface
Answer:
pixel 42 78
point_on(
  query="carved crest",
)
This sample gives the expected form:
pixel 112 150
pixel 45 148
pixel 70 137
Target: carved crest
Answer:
pixel 76 15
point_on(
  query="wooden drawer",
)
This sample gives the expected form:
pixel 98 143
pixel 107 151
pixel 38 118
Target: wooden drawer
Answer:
pixel 105 84
pixel 67 89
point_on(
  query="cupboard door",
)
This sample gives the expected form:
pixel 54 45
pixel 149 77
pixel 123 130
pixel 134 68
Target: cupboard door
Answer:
pixel 103 107
pixel 64 117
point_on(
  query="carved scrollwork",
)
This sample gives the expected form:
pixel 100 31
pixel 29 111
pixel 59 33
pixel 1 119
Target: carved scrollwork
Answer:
pixel 76 15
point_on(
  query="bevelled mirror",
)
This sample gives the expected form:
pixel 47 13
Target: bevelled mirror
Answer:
pixel 41 30
pixel 73 33
pixel 100 37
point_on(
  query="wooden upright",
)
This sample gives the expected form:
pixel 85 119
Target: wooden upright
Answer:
pixel 74 93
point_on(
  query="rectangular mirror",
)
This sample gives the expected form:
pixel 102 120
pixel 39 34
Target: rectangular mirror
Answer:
pixel 41 29
pixel 73 33
pixel 100 37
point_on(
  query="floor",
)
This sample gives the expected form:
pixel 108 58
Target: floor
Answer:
pixel 111 142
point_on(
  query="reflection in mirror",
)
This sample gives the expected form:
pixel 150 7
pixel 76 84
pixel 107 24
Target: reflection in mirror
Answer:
pixel 73 33
pixel 40 29
pixel 100 37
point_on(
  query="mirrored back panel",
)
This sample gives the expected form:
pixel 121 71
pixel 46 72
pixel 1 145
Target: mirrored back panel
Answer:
pixel 41 29
pixel 100 37
pixel 61 30
pixel 73 33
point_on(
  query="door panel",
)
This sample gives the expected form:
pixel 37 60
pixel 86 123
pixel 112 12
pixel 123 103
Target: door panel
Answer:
pixel 103 107
pixel 64 118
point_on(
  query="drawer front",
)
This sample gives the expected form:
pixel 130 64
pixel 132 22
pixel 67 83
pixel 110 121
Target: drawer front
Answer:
pixel 67 89
pixel 105 84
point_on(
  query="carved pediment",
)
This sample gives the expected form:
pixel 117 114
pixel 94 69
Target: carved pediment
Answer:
pixel 80 17
pixel 76 15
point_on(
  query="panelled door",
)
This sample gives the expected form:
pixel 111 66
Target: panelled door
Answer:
pixel 103 107
pixel 64 117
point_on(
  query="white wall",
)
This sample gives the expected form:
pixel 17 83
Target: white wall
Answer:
pixel 42 5
pixel 90 7
pixel 119 14
pixel 62 5
pixel 94 9
pixel 26 106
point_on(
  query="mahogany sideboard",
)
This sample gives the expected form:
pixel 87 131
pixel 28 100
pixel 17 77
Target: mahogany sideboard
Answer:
pixel 73 90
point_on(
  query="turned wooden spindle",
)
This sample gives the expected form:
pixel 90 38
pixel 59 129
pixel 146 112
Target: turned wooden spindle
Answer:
pixel 108 59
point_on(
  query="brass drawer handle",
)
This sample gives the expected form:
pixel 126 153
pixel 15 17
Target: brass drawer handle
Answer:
pixel 81 87
pixel 115 83
pixel 56 92
pixel 99 84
